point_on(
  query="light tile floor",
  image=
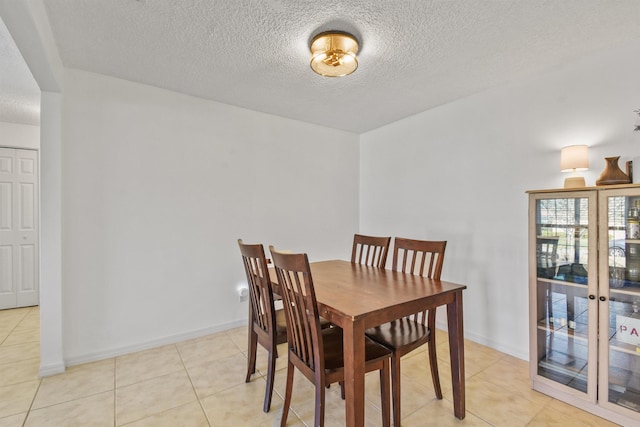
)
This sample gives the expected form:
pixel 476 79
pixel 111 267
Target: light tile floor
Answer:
pixel 200 382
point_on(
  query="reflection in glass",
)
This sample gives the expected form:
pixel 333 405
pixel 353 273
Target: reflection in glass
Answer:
pixel 562 239
pixel 562 244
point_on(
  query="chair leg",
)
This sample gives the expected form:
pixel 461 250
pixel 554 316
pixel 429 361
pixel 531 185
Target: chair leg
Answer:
pixel 287 394
pixel 271 371
pixel 385 394
pixel 395 388
pixel 433 358
pixel 433 363
pixel 341 390
pixel 251 360
pixel 319 416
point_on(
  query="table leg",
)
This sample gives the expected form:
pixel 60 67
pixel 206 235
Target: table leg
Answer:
pixel 353 337
pixel 456 352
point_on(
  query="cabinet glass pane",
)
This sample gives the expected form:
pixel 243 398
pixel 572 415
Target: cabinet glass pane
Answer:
pixel 562 240
pixel 562 309
pixel 624 350
pixel 624 301
pixel 624 242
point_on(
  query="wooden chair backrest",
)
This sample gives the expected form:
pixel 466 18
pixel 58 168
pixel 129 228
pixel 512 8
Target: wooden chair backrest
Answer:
pixel 547 250
pixel 370 250
pixel 421 258
pixel 300 308
pixel 260 291
pixel 412 256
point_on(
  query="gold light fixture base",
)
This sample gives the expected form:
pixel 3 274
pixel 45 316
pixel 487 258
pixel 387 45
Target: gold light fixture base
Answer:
pixel 574 182
pixel 333 54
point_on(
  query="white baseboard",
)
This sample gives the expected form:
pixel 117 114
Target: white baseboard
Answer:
pixel 481 339
pixel 92 357
pixel 47 371
pixel 172 339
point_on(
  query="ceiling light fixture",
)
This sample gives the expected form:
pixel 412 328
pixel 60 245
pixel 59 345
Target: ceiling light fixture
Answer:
pixel 333 54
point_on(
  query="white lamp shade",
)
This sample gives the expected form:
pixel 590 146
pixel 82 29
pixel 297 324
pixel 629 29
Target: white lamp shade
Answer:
pixel 574 158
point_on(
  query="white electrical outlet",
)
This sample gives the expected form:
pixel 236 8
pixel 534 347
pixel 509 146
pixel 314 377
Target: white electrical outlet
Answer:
pixel 244 294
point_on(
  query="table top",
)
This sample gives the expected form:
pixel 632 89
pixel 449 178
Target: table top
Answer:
pixel 357 291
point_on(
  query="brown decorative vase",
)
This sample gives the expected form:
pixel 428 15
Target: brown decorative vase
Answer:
pixel 612 174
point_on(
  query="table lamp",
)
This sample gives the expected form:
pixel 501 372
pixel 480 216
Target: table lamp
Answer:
pixel 574 158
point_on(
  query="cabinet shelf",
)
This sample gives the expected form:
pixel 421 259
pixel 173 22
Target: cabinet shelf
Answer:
pixel 624 388
pixel 579 333
pixel 623 347
pixel 629 399
pixel 564 283
pixel 627 290
pixel 565 370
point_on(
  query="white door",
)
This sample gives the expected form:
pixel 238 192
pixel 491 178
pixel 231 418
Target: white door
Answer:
pixel 19 253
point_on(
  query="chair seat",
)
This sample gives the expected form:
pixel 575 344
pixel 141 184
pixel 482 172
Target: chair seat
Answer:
pixel 324 323
pixel 333 349
pixel 281 323
pixel 399 333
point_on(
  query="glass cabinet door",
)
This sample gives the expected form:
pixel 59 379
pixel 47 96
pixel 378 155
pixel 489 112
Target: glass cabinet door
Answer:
pixel 619 299
pixel 565 263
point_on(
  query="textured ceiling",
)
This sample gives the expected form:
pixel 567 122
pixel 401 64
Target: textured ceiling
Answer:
pixel 19 93
pixel 414 54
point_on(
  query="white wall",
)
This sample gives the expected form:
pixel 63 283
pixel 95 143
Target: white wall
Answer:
pixel 158 187
pixel 28 24
pixel 15 135
pixel 459 173
pixel 51 351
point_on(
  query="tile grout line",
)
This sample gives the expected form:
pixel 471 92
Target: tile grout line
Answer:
pixel 206 416
pixel 24 422
pixel 539 412
pixel 166 374
pixel 16 326
pixel 260 374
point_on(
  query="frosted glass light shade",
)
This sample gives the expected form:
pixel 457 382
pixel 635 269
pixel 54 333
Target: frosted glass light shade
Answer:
pixel 333 54
pixel 574 158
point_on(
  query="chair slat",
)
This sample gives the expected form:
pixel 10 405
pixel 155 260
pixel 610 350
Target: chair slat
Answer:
pixel 370 250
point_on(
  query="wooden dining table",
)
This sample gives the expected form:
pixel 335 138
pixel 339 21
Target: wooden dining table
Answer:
pixel 358 297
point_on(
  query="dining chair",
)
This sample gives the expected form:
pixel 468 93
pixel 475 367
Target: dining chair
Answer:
pixel 401 336
pixel 267 325
pixel 317 352
pixel 370 250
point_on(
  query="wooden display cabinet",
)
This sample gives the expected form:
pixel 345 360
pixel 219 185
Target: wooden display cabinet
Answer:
pixel 584 289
